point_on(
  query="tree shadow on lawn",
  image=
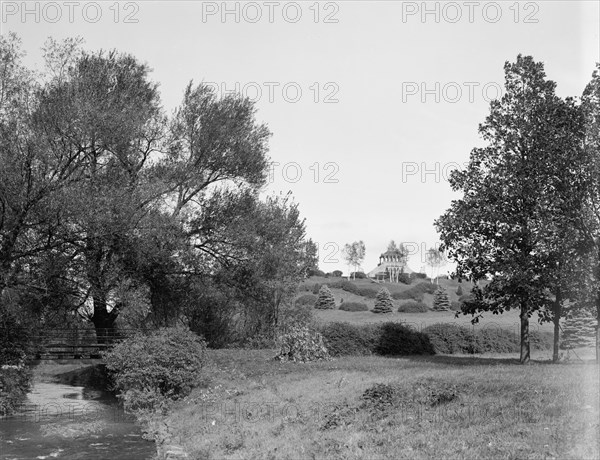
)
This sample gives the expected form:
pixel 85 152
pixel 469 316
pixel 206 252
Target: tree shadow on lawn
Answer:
pixel 471 360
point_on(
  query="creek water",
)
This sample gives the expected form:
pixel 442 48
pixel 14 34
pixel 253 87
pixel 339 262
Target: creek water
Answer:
pixel 72 417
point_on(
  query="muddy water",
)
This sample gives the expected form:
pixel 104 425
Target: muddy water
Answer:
pixel 70 418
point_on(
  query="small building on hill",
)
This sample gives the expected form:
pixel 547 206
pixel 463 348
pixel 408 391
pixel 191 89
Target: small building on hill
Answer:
pixel 391 264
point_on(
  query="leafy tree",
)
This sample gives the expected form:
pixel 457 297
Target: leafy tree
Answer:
pixel 589 222
pixel 383 302
pixel 434 258
pixel 354 254
pixel 502 227
pixel 336 273
pixel 440 300
pixel 325 299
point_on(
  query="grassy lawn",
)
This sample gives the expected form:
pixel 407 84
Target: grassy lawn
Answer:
pixel 375 407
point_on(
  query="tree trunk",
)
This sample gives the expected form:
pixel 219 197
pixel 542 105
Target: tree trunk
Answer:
pixel 103 320
pixel 525 349
pixel 598 327
pixel 557 313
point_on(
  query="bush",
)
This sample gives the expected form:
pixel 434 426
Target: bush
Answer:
pixel 455 306
pixel 413 306
pixel 404 278
pixel 336 273
pixel 325 300
pixel 358 275
pixel 415 275
pixel 459 290
pixel 354 306
pixel 440 300
pixel 316 288
pixel 383 303
pixel 306 299
pixel 397 339
pixel 301 344
pixel 315 272
pixel 15 382
pixel 416 292
pixel 369 293
pixel 15 343
pixel 451 338
pixel 343 339
pixel 146 369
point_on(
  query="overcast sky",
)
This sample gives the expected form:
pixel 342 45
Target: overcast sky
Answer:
pixel 371 104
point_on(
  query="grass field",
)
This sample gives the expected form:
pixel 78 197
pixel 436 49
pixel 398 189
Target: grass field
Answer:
pixel 373 407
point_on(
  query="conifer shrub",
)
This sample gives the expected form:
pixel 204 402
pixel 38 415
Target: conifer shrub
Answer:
pixel 579 329
pixel 301 344
pixel 325 299
pixel 459 290
pixel 383 302
pixel 354 306
pixel 440 300
pixel 412 306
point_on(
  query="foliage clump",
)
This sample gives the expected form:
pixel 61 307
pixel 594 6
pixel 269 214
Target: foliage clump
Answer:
pixel 306 299
pixel 579 329
pixel 344 339
pixel 325 299
pixel 440 300
pixel 354 306
pixel 412 306
pixel 147 370
pixel 301 344
pixel 383 302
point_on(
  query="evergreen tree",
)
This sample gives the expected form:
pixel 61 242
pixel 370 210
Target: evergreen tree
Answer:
pixel 579 329
pixel 325 300
pixel 383 302
pixel 440 300
pixel 459 291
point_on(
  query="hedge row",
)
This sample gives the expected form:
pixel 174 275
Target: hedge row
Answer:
pixel 382 339
pixel 416 292
pixel 397 339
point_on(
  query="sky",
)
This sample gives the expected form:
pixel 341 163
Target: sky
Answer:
pixel 371 104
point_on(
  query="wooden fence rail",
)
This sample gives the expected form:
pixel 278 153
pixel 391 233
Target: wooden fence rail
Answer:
pixel 77 343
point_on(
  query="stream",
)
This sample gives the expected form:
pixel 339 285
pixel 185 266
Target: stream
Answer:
pixel 70 416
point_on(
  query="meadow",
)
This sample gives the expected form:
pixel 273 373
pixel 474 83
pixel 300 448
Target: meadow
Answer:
pixel 251 406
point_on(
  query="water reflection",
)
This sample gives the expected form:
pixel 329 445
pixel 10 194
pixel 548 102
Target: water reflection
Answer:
pixel 65 421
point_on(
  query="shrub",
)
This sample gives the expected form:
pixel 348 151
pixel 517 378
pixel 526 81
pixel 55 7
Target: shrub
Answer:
pixel 146 369
pixel 369 293
pixel 459 290
pixel 455 306
pixel 451 338
pixel 301 344
pixel 342 339
pixel 440 300
pixel 413 306
pixel 358 275
pixel 415 275
pixel 397 339
pixel 306 299
pixel 336 273
pixel 404 278
pixel 325 299
pixel 383 302
pixel 354 306
pixel 315 272
pixel 15 382
pixel 316 288
pixel 15 343
pixel 409 294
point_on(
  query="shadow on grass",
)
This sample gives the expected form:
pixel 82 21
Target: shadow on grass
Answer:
pixel 472 360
